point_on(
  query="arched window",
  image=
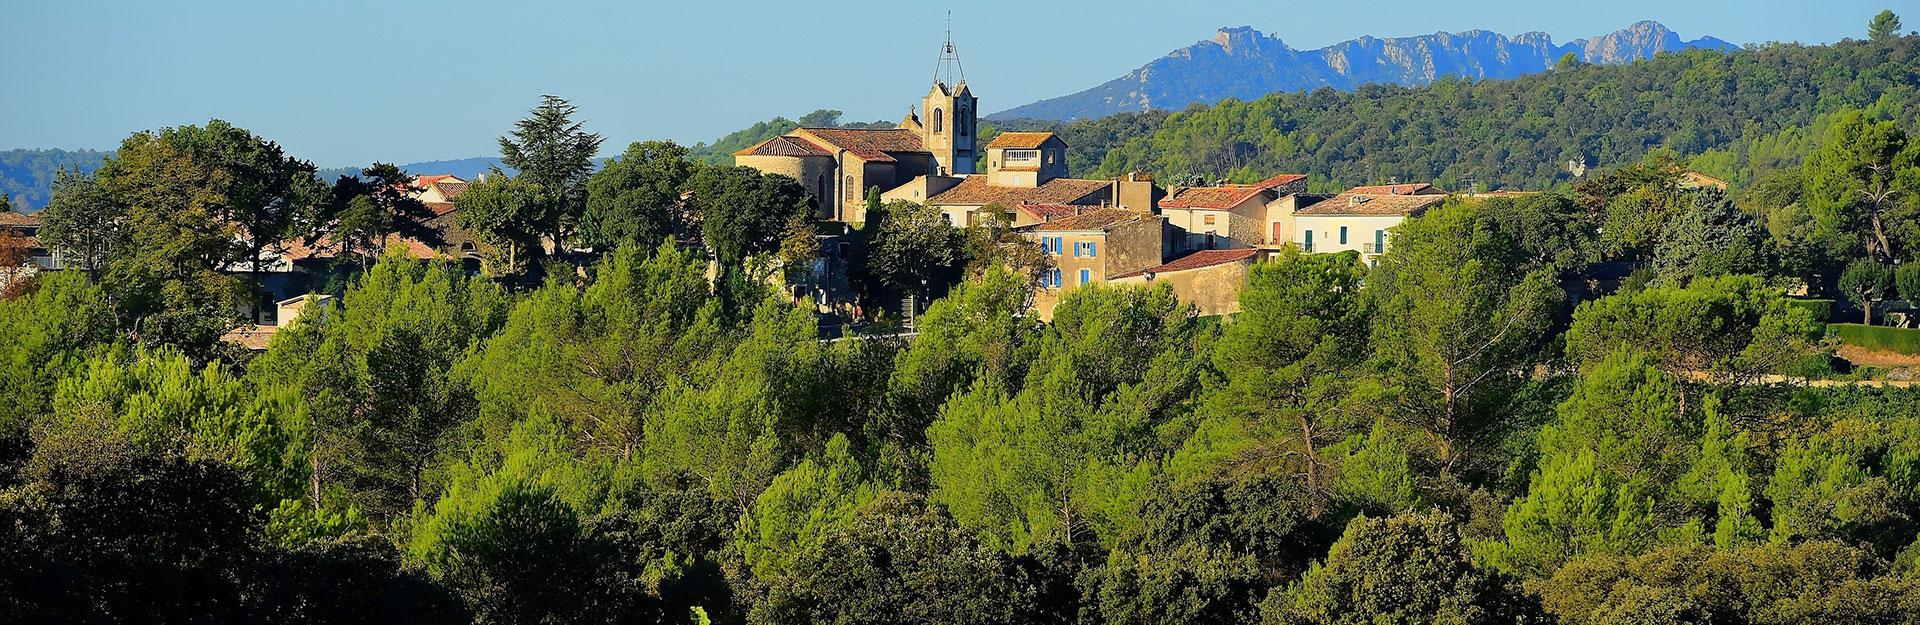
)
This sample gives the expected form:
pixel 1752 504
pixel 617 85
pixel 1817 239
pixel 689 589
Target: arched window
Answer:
pixel 853 192
pixel 939 121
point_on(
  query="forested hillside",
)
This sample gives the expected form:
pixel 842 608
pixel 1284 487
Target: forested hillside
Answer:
pixel 26 176
pixel 641 423
pixel 1517 133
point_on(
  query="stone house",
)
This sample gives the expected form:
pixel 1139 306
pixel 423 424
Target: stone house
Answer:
pixel 1208 279
pixel 1233 216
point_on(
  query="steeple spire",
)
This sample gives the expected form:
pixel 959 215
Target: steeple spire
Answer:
pixel 948 67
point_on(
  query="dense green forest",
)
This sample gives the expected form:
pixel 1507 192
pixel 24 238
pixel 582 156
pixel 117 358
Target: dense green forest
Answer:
pixel 1737 112
pixel 1485 428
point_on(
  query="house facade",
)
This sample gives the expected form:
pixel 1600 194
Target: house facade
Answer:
pixel 1208 279
pixel 1361 219
pixel 1231 216
pixel 1090 247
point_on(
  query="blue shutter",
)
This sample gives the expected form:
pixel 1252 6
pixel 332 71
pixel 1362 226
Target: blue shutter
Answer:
pixel 1379 241
pixel 1343 235
pixel 1086 276
pixel 1093 248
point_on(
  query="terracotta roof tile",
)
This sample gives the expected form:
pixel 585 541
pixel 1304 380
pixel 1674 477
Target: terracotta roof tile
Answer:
pixel 1049 212
pixel 1020 140
pixel 19 220
pixel 784 145
pixel 1280 180
pixel 1352 203
pixel 869 144
pixel 1220 198
pixel 975 191
pixel 1412 188
pixel 451 189
pixel 1103 219
pixel 1197 260
pixel 1224 197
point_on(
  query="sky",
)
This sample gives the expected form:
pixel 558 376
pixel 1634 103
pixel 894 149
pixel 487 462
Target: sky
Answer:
pixel 348 82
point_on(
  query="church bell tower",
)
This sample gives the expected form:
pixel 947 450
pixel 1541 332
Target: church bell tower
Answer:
pixel 952 113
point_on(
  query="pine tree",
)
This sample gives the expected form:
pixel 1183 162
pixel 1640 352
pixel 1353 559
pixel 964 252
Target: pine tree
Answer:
pixel 1883 26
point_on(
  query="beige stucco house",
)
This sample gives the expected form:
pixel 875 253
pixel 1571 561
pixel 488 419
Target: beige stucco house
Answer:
pixel 1361 219
pixel 1089 247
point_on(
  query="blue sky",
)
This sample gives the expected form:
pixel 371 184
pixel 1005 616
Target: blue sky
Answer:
pixel 345 82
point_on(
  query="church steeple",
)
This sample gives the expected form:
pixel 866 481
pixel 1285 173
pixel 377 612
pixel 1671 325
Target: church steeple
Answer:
pixel 948 69
pixel 951 112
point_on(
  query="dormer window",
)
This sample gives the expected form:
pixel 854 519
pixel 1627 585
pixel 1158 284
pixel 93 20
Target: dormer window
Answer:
pixel 1016 158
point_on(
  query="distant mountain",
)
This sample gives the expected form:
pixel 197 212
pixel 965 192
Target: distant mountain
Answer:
pixel 1244 64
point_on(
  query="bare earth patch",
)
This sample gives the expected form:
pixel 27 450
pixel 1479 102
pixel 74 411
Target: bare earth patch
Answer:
pixel 1861 356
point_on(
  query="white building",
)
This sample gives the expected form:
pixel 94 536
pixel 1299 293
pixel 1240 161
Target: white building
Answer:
pixel 1361 219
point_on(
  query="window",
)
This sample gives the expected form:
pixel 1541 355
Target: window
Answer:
pixel 1050 245
pixel 1306 242
pixel 939 121
pixel 1379 241
pixel 1093 249
pixel 1049 157
pixel 1052 279
pixel 853 192
pixel 1343 235
pixel 1086 276
pixel 1208 220
pixel 1022 157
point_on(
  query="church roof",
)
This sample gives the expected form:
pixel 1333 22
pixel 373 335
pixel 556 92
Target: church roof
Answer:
pixel 784 145
pixel 1020 140
pixel 873 145
pixel 975 191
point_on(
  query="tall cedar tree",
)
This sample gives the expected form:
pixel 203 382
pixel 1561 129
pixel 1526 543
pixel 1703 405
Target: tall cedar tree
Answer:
pixel 556 152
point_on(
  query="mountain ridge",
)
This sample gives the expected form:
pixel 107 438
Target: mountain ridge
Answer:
pixel 1243 63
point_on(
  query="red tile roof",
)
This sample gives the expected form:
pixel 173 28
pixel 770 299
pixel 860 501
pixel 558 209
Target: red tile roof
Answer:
pixel 1103 219
pixel 976 191
pixel 428 181
pixel 1220 198
pixel 1413 188
pixel 1224 197
pixel 1353 203
pixel 1197 260
pixel 784 145
pixel 1020 140
pixel 873 145
pixel 450 190
pixel 11 219
pixel 1280 180
pixel 1049 212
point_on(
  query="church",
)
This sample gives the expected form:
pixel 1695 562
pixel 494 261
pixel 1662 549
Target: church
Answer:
pixel 838 165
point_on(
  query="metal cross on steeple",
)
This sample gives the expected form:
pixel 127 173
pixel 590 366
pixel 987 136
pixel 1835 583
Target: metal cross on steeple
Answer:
pixel 949 67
